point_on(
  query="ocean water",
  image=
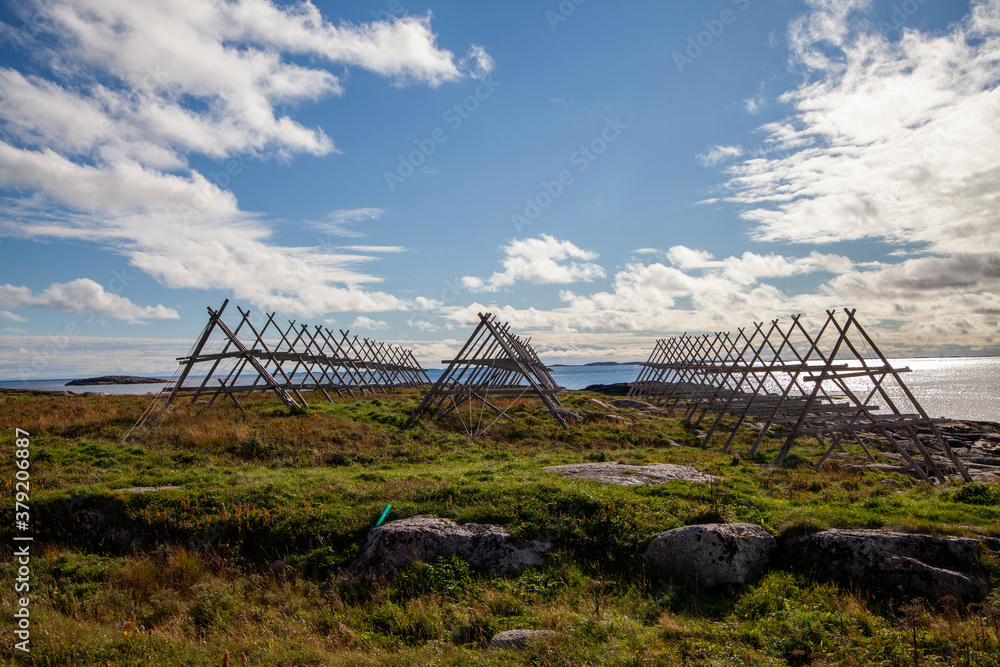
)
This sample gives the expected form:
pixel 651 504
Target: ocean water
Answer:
pixel 952 387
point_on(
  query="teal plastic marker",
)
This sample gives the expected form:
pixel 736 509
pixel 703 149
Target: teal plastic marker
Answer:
pixel 384 514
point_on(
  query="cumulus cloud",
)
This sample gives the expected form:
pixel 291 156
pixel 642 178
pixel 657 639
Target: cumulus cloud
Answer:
pixel 717 154
pixel 751 267
pixel 100 128
pixel 542 260
pixel 892 140
pixel 363 322
pixel 918 305
pixel 80 296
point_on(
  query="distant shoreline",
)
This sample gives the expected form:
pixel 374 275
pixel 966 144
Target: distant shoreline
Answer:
pixel 113 379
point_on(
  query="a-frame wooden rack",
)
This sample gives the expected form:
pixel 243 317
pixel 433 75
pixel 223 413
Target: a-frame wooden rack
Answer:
pixel 831 382
pixel 494 364
pixel 286 360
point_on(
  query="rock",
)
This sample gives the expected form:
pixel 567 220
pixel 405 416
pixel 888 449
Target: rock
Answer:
pixel 632 403
pixel 396 545
pixel 516 640
pixel 882 467
pixel 891 483
pixel 90 521
pixel 569 416
pixel 933 583
pixel 922 565
pixel 713 554
pixel 617 389
pixel 626 475
pixel 599 403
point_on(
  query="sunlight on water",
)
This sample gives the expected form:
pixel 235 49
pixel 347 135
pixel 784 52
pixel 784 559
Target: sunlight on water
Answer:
pixel 956 387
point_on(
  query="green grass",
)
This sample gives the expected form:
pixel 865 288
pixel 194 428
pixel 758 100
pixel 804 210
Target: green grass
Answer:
pixel 249 555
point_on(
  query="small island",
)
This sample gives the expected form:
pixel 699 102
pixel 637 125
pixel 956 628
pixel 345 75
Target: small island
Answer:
pixel 113 379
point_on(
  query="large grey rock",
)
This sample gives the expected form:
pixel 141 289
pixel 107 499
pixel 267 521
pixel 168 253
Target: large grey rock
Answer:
pixel 398 544
pixel 926 565
pixel 920 579
pixel 569 416
pixel 713 554
pixel 516 640
pixel 626 475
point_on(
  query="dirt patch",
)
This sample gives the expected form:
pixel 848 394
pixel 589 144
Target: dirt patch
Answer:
pixel 626 475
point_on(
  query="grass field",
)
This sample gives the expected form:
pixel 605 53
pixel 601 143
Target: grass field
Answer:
pixel 243 563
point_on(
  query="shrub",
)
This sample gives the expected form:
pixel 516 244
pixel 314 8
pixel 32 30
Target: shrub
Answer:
pixel 974 493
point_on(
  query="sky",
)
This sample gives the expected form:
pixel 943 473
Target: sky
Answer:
pixel 598 174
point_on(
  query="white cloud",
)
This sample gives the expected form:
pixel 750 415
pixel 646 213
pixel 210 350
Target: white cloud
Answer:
pixel 25 357
pixel 477 62
pixel 338 222
pixel 11 317
pixel 753 104
pixel 893 140
pixel 688 258
pixel 124 92
pixel 750 266
pixel 81 296
pixel 421 325
pixel 921 304
pixel 717 154
pixel 363 322
pixel 545 259
pixel 373 248
pixel 227 252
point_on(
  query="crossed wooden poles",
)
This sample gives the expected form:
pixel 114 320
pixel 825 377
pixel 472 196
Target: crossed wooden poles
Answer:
pixel 818 384
pixel 494 362
pixel 292 359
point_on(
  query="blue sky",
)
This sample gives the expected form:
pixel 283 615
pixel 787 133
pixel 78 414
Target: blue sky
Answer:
pixel 599 174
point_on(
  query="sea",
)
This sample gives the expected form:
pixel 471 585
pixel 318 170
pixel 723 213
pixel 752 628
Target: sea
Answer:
pixel 951 387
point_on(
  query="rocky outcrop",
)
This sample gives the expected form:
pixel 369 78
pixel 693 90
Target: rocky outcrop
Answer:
pixel 396 545
pixel 712 554
pixel 928 566
pixel 626 475
pixel 516 640
pixel 616 389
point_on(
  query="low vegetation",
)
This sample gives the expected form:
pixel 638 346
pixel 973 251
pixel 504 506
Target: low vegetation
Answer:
pixel 239 555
